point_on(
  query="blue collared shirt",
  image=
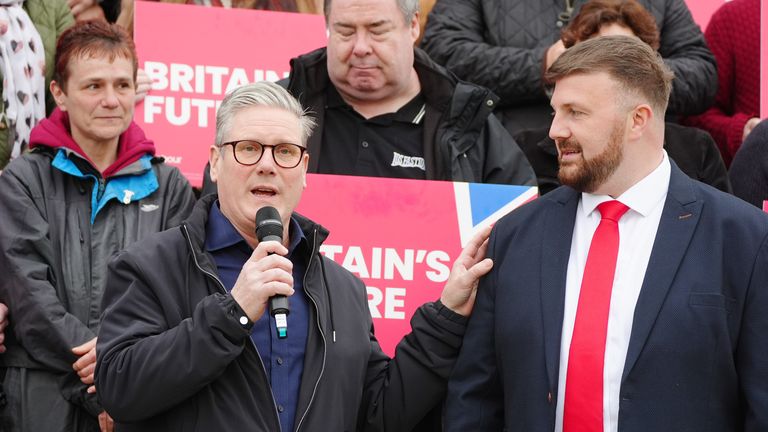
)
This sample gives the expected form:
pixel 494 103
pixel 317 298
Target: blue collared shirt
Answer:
pixel 283 358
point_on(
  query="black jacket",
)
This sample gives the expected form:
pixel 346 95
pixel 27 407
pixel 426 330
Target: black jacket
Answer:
pixel 172 355
pixel 463 141
pixel 693 150
pixel 749 170
pixel 53 257
pixel 500 44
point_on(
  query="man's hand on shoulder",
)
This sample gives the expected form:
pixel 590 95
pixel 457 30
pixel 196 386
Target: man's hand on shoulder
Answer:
pixel 460 289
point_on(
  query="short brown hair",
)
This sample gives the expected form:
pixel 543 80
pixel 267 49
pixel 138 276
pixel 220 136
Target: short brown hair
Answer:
pixel 597 13
pixel 90 39
pixel 638 69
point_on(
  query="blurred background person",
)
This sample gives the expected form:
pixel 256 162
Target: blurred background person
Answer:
pixel 102 10
pixel 89 187
pixel 505 44
pixel 749 171
pixel 692 149
pixel 28 33
pixel 733 35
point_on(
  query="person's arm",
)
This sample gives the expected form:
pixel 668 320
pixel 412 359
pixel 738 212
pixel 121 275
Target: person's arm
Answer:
pixel 686 53
pixel 713 171
pixel 749 171
pixel 145 365
pixel 83 10
pixel 64 17
pixel 726 126
pixel 454 37
pixel 180 198
pixel 474 401
pixel 505 161
pixel 41 323
pixel 399 392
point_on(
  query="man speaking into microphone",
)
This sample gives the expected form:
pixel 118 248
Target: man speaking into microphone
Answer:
pixel 185 343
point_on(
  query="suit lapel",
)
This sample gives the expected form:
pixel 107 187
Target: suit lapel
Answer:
pixel 556 248
pixel 678 222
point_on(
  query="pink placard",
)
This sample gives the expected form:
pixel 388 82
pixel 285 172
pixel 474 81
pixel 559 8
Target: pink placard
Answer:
pixel 402 236
pixel 702 10
pixel 195 54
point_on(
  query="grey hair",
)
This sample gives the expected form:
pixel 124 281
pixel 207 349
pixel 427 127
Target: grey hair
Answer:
pixel 265 94
pixel 407 7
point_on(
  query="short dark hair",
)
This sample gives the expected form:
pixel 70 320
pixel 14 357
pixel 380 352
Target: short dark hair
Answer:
pixel 638 69
pixel 597 13
pixel 90 39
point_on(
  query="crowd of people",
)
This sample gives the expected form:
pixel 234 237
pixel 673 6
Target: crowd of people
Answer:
pixel 631 295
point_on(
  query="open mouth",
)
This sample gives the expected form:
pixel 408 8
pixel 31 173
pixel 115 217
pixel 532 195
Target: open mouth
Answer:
pixel 263 191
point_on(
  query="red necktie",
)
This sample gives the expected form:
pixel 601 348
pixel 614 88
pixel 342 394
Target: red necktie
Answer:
pixel 583 410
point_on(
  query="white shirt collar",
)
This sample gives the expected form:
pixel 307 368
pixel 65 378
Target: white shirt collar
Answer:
pixel 642 197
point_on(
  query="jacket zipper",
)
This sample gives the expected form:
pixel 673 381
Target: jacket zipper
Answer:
pixel 223 290
pixel 322 334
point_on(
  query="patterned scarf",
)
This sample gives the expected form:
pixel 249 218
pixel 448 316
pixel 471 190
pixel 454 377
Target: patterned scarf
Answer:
pixel 22 60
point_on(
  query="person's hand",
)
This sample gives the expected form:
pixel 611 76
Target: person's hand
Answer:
pixel 751 123
pixel 106 424
pixel 263 276
pixel 553 53
pixel 86 364
pixel 78 6
pixel 3 323
pixel 92 13
pixel 143 85
pixel 461 288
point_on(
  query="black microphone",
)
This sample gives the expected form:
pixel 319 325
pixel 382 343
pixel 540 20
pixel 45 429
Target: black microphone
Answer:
pixel 269 227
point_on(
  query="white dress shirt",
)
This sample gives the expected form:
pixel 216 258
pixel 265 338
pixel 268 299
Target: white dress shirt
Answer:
pixel 637 232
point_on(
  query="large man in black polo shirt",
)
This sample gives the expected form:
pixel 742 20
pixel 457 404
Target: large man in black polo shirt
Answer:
pixel 385 109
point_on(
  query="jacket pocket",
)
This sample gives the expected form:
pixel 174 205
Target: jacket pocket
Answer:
pixel 713 300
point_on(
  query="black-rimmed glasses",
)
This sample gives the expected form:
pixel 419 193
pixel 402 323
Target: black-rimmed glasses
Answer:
pixel 249 152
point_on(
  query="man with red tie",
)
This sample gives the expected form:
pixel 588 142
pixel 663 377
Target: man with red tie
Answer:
pixel 630 299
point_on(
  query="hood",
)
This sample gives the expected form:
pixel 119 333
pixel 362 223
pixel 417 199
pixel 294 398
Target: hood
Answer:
pixel 54 132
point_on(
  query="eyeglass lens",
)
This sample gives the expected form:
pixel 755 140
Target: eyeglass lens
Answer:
pixel 250 152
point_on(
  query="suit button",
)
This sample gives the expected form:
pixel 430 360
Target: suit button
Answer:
pixel 280 408
pixel 364 144
pixel 279 360
pixel 549 397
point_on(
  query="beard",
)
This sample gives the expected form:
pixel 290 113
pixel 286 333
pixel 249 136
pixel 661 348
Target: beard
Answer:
pixel 586 175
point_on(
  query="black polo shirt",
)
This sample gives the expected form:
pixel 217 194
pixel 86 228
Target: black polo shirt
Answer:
pixel 388 145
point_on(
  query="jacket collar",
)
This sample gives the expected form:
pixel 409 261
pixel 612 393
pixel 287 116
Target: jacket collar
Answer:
pixel 198 219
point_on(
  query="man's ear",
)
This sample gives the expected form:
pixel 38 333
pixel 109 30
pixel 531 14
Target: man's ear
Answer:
pixel 640 120
pixel 304 167
pixel 213 160
pixel 58 95
pixel 415 27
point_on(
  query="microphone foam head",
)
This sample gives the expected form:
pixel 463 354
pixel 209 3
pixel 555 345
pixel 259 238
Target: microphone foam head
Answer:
pixel 269 227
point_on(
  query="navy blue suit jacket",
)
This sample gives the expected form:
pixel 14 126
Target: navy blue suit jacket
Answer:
pixel 698 352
